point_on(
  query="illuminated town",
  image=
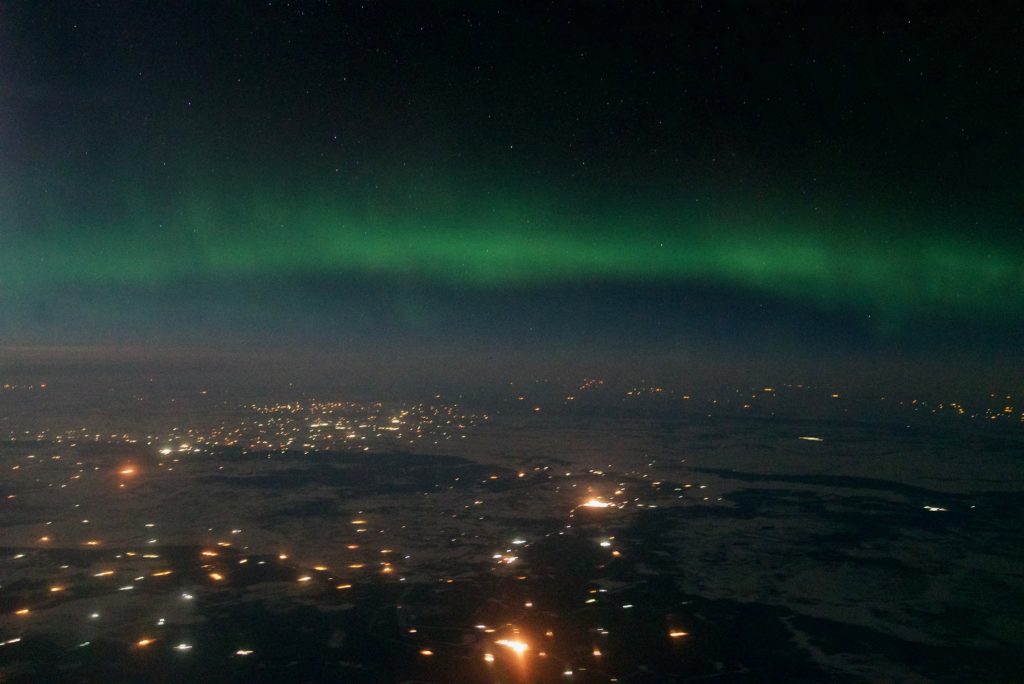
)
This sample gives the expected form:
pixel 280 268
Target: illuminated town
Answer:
pixel 441 539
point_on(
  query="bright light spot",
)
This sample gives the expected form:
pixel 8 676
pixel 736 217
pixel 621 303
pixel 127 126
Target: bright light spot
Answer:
pixel 488 657
pixel 305 578
pixel 520 647
pixel 677 634
pixel 142 643
pixel 811 439
pixel 22 611
pixel 426 652
pixel 595 503
pixel 105 573
pixel 183 647
pixel 216 576
pixel 344 586
pixel 243 652
pixel 127 471
pixel 56 589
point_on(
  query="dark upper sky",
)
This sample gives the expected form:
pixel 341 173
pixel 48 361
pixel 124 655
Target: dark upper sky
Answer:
pixel 783 180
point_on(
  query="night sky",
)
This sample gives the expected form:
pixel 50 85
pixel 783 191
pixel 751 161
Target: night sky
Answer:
pixel 589 180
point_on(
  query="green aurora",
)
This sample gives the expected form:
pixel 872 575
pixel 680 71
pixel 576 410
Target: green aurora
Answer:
pixel 891 270
pixel 614 170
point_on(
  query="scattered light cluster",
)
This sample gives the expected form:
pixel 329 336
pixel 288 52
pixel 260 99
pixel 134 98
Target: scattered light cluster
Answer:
pixel 140 587
pixel 328 426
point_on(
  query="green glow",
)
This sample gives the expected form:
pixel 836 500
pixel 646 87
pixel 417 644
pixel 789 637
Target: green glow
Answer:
pixel 525 242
